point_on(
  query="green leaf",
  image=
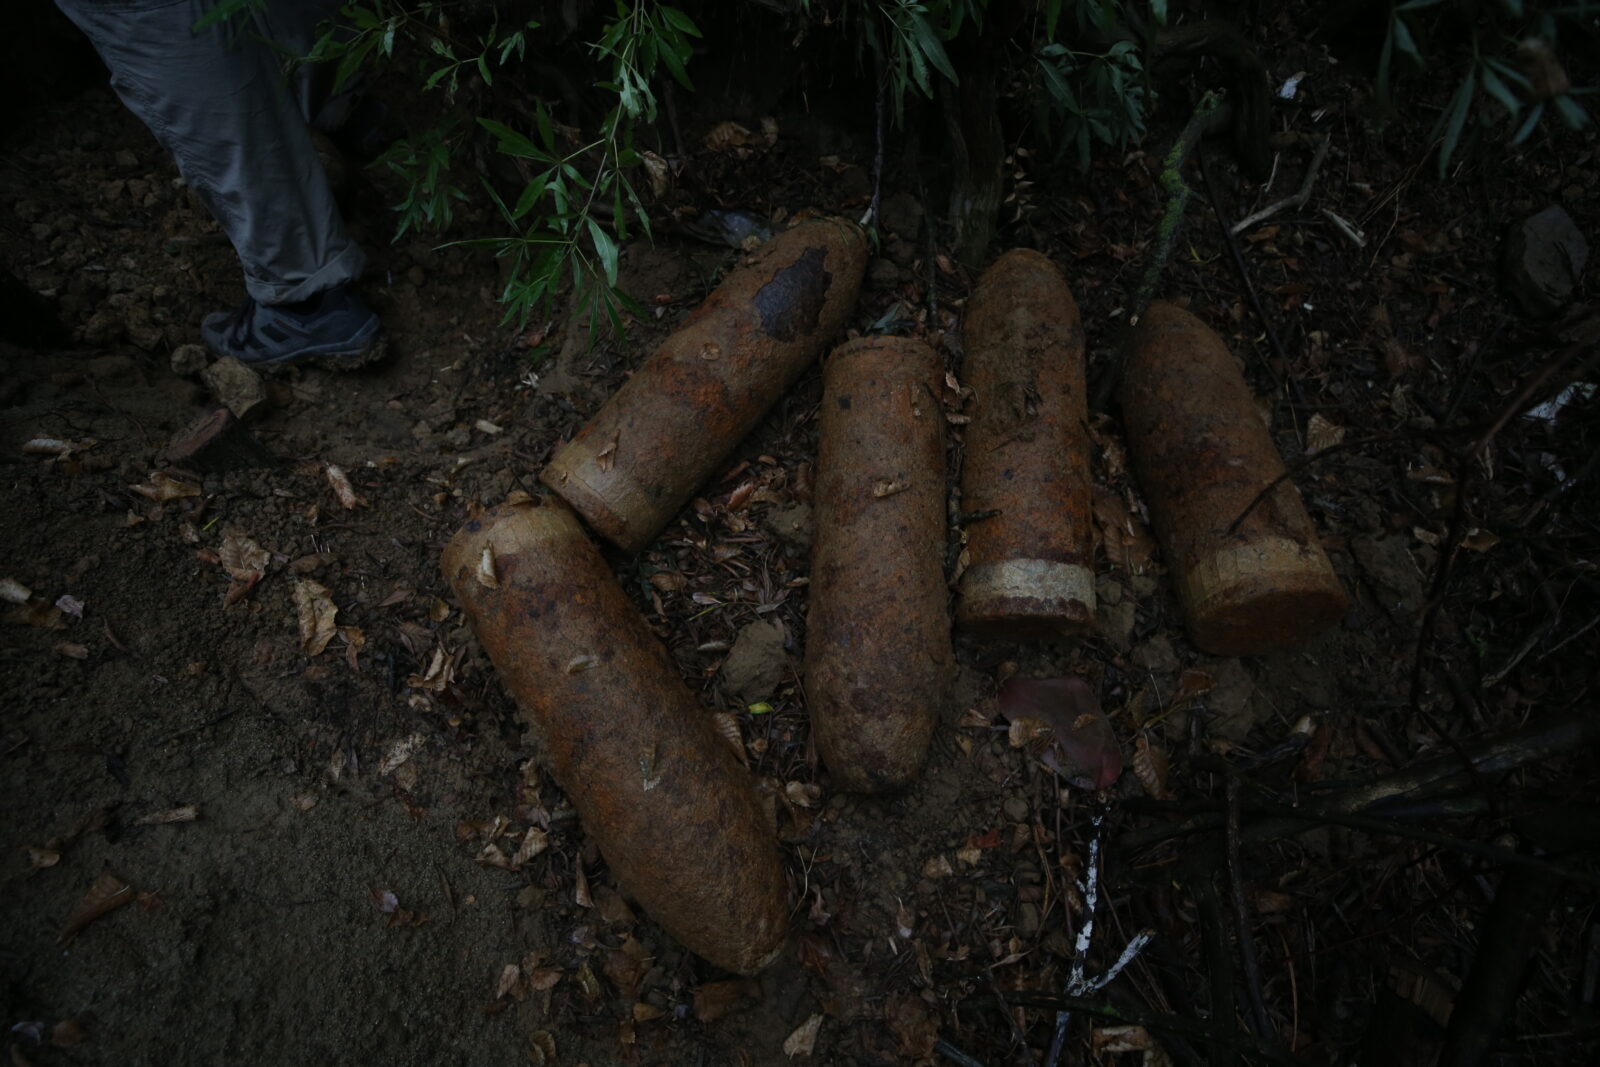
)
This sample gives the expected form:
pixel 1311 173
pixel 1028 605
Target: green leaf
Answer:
pixel 483 70
pixel 532 193
pixel 1158 11
pixel 1404 41
pixel 1385 60
pixel 1455 118
pixel 1052 16
pixel 1572 112
pixel 674 64
pixel 513 143
pixel 605 248
pixel 1057 86
pixel 546 134
pixel 679 21
pixel 1526 129
pixel 931 47
pixel 1500 91
pixel 1417 5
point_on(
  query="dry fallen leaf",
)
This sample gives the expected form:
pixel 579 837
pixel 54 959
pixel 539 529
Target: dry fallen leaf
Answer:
pixel 543 978
pixel 186 813
pixel 534 842
pixel 1150 767
pixel 542 1049
pixel 315 611
pixel 43 857
pixel 244 560
pixel 40 613
pixel 485 570
pixel 1084 748
pixel 340 481
pixel 399 752
pixel 728 728
pixel 729 135
pixel 606 458
pixel 51 446
pixel 1322 433
pixel 71 649
pixel 890 487
pixel 162 487
pixel 1110 1039
pixel 580 887
pixel 713 1000
pixel 68 1033
pixel 1127 540
pixel 510 975
pixel 803 1041
pixel 107 894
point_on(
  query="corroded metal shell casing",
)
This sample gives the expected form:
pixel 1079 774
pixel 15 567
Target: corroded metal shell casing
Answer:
pixel 878 655
pixel 643 455
pixel 675 815
pixel 1202 454
pixel 1030 568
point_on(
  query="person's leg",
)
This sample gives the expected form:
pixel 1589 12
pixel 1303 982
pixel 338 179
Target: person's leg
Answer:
pixel 218 100
pixel 293 27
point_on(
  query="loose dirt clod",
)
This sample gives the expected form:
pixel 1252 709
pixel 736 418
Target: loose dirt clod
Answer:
pixel 757 663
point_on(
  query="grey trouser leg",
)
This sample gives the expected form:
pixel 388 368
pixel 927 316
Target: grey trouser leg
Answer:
pixel 218 100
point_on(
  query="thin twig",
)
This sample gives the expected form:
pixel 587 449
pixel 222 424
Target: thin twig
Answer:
pixel 1241 917
pixel 1351 234
pixel 1243 270
pixel 955 1055
pixel 870 220
pixel 1150 1020
pixel 1207 114
pixel 1297 200
pixel 1541 739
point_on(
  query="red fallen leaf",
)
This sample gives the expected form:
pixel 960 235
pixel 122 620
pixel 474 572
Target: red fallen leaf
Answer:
pixel 988 840
pixel 1084 749
pixel 1193 682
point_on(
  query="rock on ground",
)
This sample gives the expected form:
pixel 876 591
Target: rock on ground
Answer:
pixel 1544 257
pixel 757 663
pixel 236 386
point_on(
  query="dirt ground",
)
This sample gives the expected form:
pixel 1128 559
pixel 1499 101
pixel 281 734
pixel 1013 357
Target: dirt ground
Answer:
pixel 306 838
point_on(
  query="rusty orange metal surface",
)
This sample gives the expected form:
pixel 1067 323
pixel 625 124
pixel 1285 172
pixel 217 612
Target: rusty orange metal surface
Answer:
pixel 1030 568
pixel 669 427
pixel 1202 454
pixel 675 815
pixel 878 655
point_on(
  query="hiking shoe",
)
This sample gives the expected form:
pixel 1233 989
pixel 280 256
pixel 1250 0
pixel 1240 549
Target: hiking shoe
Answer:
pixel 334 327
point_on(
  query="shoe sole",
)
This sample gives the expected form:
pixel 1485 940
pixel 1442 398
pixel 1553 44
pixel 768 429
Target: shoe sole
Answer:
pixel 368 346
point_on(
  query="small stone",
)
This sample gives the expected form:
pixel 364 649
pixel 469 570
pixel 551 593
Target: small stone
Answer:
pixel 791 525
pixel 416 276
pixel 126 158
pixel 1114 621
pixel 901 214
pixel 1028 919
pixel 1156 655
pixel 1544 258
pixel 757 662
pixel 236 386
pixel 883 273
pixel 1016 809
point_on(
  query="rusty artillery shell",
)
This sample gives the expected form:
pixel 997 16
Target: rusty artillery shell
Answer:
pixel 1030 567
pixel 641 458
pixel 878 654
pixel 1202 456
pixel 675 815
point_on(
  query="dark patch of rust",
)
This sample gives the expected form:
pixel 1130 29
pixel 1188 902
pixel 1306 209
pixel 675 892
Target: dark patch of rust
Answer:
pixel 791 303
